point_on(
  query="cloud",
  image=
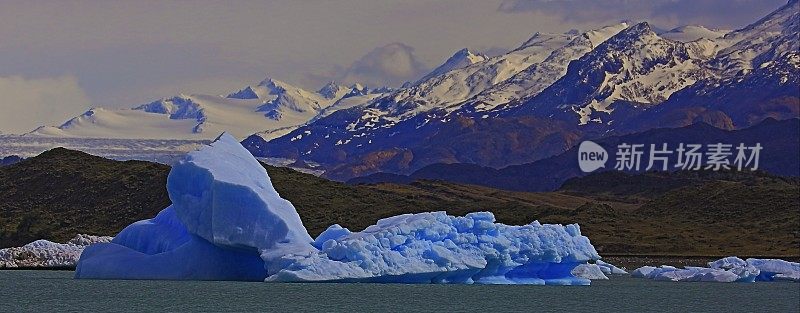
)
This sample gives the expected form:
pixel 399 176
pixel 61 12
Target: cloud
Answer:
pixel 713 13
pixel 389 65
pixel 28 103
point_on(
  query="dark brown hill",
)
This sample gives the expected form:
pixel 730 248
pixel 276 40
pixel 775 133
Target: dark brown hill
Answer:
pixel 61 192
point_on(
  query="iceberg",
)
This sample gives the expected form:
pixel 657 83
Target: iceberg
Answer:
pixel 47 254
pixel 438 248
pixel 772 269
pixel 589 271
pixel 227 222
pixel 609 268
pixel 728 269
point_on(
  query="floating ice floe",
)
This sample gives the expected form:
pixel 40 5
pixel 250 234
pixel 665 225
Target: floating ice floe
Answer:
pixel 596 271
pixel 589 271
pixel 227 222
pixel 609 268
pixel 729 269
pixel 45 254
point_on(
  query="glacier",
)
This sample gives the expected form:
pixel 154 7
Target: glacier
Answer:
pixel 227 222
pixel 47 254
pixel 728 269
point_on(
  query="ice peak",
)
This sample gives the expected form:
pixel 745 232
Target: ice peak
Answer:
pixel 357 86
pixel 273 84
pixel 333 90
pixel 462 58
pixel 625 39
pixel 598 36
pixel 537 39
pixel 639 29
pixel 465 55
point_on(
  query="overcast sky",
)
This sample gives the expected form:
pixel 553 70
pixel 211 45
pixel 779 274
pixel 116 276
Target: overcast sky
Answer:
pixel 58 58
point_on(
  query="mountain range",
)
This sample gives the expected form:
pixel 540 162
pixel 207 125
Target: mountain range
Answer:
pixel 270 108
pixel 534 102
pixel 555 90
pixel 778 156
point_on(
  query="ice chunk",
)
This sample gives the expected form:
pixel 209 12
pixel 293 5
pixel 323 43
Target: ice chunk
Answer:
pixel 162 248
pixel 728 269
pixel 333 232
pixel 792 276
pixel 159 234
pixel 223 195
pixel 227 222
pixel 609 268
pixel 643 271
pixel 44 253
pixel 436 247
pixel 728 263
pixel 589 271
pixel 769 268
pixel 696 274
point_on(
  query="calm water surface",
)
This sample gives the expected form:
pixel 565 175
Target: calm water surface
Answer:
pixel 40 291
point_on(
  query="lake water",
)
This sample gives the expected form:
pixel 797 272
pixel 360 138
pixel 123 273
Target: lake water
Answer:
pixel 41 291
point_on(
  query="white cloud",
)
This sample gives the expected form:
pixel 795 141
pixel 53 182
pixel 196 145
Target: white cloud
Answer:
pixel 28 103
pixel 714 13
pixel 388 65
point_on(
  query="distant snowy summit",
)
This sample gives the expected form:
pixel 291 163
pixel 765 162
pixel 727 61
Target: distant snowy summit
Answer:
pixel 271 108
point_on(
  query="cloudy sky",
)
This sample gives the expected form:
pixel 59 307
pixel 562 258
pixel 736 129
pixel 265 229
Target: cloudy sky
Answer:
pixel 60 57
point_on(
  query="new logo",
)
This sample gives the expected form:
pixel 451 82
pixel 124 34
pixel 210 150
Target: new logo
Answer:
pixel 591 156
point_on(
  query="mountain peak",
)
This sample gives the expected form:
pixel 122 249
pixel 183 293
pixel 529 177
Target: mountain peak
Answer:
pixel 641 32
pixel 273 84
pixel 462 58
pixel 466 55
pixel 333 90
pixel 689 33
pixel 640 28
pixel 598 36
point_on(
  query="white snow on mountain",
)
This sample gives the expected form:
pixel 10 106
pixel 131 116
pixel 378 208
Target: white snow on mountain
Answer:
pixel 537 77
pixel 640 67
pixel 691 33
pixel 459 85
pixel 449 90
pixel 763 41
pixel 272 108
pixel 622 63
pixel 460 59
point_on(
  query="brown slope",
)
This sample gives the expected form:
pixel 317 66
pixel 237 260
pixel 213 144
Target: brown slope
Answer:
pixel 62 192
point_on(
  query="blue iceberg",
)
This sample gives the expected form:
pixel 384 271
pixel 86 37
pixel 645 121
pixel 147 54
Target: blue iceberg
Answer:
pixel 728 269
pixel 227 222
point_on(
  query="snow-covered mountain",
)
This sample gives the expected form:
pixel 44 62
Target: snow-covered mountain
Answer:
pixel 763 41
pixel 532 80
pixel 535 101
pixel 449 90
pixel 460 59
pixel 542 97
pixel 271 108
pixel 691 33
pixel 635 66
